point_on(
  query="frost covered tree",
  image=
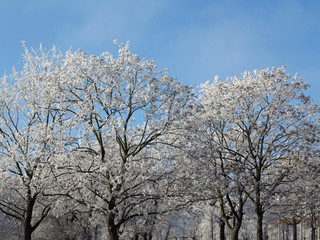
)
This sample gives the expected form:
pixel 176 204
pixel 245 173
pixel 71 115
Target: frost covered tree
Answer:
pixel 31 133
pixel 113 141
pixel 264 124
pixel 308 196
pixel 122 108
pixel 220 179
pixel 216 175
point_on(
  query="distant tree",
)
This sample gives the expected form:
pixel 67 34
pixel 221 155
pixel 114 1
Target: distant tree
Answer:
pixel 309 194
pixel 263 123
pixel 218 174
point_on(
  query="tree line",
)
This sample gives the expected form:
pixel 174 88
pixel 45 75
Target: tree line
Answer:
pixel 110 147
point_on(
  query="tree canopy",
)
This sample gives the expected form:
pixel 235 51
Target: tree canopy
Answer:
pixel 116 145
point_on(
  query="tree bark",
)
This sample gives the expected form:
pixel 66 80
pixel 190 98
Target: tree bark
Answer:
pixel 259 210
pixel 222 230
pixel 27 227
pixel 313 232
pixel 236 216
pixel 294 226
pixel 112 228
pixel 313 228
pixel 259 214
pixel 235 234
pixel 27 230
pixel 236 229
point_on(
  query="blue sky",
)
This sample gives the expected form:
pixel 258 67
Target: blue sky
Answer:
pixel 194 39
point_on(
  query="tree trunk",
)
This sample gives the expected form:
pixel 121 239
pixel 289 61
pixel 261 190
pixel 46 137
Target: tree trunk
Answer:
pixel 145 236
pixel 313 232
pixel 222 230
pixel 313 229
pixel 236 229
pixel 259 211
pixel 259 226
pixel 233 228
pixel 235 234
pixel 295 235
pixel 27 228
pixel 112 228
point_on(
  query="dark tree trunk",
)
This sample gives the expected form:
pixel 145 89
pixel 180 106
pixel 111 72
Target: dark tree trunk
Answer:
pixel 313 228
pixel 313 232
pixel 235 231
pixel 27 231
pixel 259 211
pixel 145 236
pixel 237 217
pixel 259 225
pixel 113 229
pixel 222 230
pixel 237 224
pixel 294 227
pixel 235 235
pixel 27 227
